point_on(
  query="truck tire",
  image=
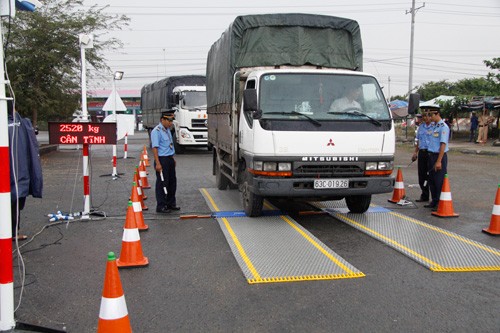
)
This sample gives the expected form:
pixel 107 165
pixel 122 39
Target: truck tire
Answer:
pixel 221 180
pixel 178 148
pixel 358 203
pixel 252 203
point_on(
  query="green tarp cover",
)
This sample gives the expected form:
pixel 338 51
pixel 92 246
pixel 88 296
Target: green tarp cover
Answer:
pixel 281 39
pixel 158 95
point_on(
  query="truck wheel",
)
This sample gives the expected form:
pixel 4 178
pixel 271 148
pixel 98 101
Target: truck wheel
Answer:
pixel 358 203
pixel 178 148
pixel 252 203
pixel 221 180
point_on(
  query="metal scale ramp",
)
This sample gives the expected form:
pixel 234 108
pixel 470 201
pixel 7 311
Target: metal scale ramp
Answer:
pixel 273 247
pixel 435 248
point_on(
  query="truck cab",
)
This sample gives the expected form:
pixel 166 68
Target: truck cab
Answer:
pixel 315 135
pixel 190 124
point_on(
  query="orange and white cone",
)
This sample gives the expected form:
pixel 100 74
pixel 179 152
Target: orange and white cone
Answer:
pixel 137 180
pixel 131 254
pixel 145 156
pixel 143 176
pixel 445 205
pixel 139 198
pixel 399 188
pixel 137 208
pixel 494 228
pixel 113 314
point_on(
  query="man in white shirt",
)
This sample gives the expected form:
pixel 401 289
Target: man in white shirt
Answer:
pixel 348 101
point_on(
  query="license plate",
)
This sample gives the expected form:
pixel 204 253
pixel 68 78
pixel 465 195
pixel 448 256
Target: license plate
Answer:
pixel 331 183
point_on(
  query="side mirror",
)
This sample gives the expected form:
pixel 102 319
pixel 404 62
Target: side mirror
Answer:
pixel 250 101
pixel 413 103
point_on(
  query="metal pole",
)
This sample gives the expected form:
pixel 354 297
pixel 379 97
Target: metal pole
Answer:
pixel 85 115
pixel 125 147
pixel 410 78
pixel 114 174
pixel 7 321
pixel 86 183
pixel 413 11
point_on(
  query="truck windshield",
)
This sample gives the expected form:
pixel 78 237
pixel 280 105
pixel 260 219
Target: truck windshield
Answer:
pixel 322 97
pixel 194 100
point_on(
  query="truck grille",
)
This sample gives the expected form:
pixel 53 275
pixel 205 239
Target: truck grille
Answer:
pixel 198 123
pixel 328 170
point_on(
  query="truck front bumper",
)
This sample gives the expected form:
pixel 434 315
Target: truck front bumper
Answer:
pixel 304 187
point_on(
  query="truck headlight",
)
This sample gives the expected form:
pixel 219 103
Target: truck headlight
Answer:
pixel 370 166
pixel 386 165
pixel 185 134
pixel 272 169
pixel 269 166
pixel 285 166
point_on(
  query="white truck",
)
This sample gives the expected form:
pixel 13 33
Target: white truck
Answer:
pixel 186 95
pixel 276 118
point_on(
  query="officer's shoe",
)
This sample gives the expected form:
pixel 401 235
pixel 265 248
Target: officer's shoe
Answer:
pixel 430 206
pixel 174 207
pixel 422 200
pixel 163 210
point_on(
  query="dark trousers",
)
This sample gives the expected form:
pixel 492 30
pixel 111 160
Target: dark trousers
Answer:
pixel 15 211
pixel 423 173
pixel 170 183
pixel 472 135
pixel 436 178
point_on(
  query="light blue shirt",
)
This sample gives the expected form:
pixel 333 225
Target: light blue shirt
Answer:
pixel 423 135
pixel 440 134
pixel 161 138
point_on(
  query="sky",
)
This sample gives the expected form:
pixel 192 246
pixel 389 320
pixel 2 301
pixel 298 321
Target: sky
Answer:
pixel 451 37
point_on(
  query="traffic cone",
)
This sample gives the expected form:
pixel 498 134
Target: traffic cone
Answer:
pixel 140 199
pixel 494 228
pixel 131 254
pixel 145 156
pixel 445 205
pixel 136 197
pixel 399 188
pixel 137 180
pixel 113 314
pixel 143 176
pixel 137 208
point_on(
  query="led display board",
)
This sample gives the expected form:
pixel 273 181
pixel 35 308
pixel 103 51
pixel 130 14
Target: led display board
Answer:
pixel 82 133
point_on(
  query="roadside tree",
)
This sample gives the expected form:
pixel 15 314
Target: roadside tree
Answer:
pixel 42 53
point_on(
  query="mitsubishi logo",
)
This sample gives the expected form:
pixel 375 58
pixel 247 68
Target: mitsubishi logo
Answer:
pixel 330 143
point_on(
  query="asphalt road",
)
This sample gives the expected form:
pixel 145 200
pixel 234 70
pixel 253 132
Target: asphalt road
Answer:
pixel 193 283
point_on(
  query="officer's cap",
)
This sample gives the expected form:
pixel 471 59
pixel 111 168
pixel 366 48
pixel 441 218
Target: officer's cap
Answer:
pixel 169 114
pixel 418 115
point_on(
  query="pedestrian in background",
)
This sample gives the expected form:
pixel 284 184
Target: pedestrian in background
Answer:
pixel 484 121
pixel 473 126
pixel 438 158
pixel 164 151
pixel 25 167
pixel 424 131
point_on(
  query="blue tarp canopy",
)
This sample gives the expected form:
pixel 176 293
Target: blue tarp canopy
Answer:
pixel 399 109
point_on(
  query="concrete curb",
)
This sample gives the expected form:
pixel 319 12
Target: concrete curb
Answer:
pixel 45 149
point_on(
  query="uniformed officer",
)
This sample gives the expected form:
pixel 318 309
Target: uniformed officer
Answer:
pixel 164 151
pixel 421 153
pixel 438 159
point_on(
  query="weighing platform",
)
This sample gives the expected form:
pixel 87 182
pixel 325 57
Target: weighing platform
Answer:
pixel 275 248
pixel 435 248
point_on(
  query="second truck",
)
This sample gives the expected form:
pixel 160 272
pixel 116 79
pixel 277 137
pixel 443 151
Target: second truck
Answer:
pixel 186 95
pixel 292 115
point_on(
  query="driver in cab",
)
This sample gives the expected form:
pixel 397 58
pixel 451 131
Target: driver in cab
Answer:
pixel 348 102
